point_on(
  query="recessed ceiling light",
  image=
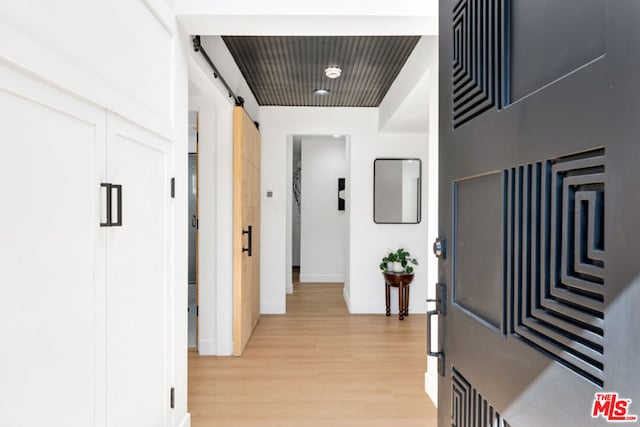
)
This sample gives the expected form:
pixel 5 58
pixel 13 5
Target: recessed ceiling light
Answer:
pixel 321 92
pixel 333 71
pixel 337 135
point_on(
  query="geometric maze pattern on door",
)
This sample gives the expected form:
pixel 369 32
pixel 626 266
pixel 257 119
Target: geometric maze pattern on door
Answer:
pixel 469 408
pixel 554 227
pixel 479 46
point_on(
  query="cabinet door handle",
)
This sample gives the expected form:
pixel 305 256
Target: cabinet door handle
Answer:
pixel 118 189
pixel 109 205
pixel 250 243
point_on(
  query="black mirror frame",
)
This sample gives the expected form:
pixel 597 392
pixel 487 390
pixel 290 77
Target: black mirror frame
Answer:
pixel 419 189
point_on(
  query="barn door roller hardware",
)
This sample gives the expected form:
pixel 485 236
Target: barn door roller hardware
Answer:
pixel 239 101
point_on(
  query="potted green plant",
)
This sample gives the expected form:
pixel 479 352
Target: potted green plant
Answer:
pixel 398 262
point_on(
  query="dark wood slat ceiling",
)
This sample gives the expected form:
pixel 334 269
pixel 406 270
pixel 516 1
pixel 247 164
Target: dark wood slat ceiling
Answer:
pixel 284 71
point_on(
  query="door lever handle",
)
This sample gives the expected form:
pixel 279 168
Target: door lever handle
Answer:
pixel 248 231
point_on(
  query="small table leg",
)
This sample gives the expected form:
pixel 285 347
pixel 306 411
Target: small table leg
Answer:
pixel 406 300
pixel 401 300
pixel 388 298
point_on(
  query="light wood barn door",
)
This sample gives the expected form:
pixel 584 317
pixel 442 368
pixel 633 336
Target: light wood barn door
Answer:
pixel 246 229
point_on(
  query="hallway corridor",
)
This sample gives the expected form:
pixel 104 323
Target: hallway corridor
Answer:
pixel 317 366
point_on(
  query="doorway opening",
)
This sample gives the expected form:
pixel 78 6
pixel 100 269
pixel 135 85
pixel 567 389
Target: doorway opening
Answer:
pixel 319 216
pixel 193 231
pixel 295 211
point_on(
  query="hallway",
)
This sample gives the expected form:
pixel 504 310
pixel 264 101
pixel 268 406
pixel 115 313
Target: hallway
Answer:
pixel 317 366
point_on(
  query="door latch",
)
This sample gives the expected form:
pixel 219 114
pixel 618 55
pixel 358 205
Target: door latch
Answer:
pixel 440 248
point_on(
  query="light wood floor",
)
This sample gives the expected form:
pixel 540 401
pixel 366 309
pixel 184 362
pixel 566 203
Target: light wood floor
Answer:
pixel 317 366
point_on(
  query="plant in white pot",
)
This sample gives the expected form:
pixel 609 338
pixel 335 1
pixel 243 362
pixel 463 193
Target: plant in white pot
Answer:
pixel 399 261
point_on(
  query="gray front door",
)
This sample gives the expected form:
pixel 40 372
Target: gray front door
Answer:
pixel 540 210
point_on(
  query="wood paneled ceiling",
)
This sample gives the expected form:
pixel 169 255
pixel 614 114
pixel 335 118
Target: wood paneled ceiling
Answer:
pixel 285 71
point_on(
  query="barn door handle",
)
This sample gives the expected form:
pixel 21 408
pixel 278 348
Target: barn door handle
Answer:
pixel 249 232
pixel 110 222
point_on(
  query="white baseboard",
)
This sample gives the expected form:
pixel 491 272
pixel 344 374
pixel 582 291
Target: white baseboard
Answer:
pixel 431 387
pixel 322 278
pixel 289 288
pixel 186 421
pixel 207 348
pixel 266 308
pixel 347 300
pixel 366 308
pixel 418 308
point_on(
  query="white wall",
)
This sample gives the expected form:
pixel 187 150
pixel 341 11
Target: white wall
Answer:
pixel 215 168
pixel 431 215
pixel 207 210
pixel 405 108
pixel 180 253
pixel 224 62
pixel 323 240
pixel 193 131
pixel 118 54
pixel 369 241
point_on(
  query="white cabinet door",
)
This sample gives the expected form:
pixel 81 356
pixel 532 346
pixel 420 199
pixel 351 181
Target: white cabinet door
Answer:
pixel 138 292
pixel 52 153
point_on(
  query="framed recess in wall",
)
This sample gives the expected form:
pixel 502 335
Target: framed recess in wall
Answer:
pixel 341 195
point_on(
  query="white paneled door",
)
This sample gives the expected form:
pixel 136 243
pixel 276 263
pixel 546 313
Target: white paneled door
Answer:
pixel 138 317
pixel 51 255
pixel 85 320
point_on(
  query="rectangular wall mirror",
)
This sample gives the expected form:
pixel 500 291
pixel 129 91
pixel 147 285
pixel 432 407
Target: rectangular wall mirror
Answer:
pixel 396 191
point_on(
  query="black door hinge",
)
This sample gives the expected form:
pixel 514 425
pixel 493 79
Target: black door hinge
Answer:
pixel 197 310
pixel 173 188
pixel 173 397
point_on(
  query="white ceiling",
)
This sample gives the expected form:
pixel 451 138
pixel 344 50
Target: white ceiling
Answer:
pixel 317 18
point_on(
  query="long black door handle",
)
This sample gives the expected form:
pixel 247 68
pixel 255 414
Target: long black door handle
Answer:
pixel 249 232
pixel 441 310
pixel 110 222
pixel 429 351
